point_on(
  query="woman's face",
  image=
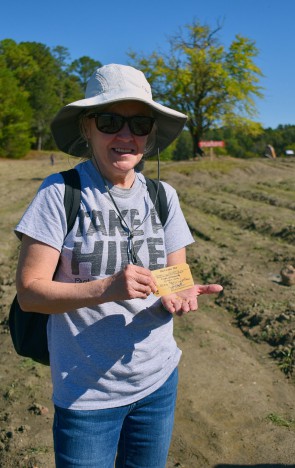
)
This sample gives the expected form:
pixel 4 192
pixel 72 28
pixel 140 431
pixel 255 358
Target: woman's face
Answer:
pixel 117 154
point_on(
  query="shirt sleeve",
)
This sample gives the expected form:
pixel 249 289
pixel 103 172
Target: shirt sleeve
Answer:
pixel 45 219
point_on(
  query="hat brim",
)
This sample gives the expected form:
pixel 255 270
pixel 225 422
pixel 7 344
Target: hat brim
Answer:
pixel 66 132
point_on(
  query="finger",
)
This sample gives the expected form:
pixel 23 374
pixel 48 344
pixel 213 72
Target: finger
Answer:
pixel 189 305
pixel 141 288
pixel 208 289
pixel 169 306
pixel 177 304
pixel 193 304
pixel 135 270
pixel 185 307
pixel 145 277
pixel 141 276
pixel 148 284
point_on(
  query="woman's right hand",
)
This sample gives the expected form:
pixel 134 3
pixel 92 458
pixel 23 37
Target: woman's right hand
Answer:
pixel 130 283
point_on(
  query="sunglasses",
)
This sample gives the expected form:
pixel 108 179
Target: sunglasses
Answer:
pixel 139 125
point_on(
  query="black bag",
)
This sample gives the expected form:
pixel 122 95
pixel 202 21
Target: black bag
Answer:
pixel 28 330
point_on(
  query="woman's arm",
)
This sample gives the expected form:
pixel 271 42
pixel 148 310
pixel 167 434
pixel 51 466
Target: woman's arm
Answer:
pixel 38 292
pixel 177 257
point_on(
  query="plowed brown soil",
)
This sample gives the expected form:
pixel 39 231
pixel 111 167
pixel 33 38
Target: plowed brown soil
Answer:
pixel 236 401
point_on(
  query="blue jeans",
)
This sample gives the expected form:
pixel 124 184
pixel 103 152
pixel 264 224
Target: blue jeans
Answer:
pixel 132 436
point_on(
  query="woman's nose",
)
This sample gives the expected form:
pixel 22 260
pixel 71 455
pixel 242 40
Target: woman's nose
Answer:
pixel 125 132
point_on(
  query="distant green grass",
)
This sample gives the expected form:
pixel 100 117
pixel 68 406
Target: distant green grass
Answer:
pixel 222 165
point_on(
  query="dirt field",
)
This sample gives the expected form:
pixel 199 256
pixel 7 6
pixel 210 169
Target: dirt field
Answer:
pixel 236 402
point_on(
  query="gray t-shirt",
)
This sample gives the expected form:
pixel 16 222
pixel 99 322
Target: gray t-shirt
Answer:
pixel 118 352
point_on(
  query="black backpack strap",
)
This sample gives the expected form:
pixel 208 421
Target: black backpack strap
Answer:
pixel 159 201
pixel 72 196
pixel 29 329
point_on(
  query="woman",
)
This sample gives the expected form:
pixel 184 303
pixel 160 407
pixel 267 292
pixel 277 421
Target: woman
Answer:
pixel 113 357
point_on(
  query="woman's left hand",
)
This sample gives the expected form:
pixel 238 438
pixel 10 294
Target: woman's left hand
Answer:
pixel 184 301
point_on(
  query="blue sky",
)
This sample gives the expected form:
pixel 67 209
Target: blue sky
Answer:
pixel 107 30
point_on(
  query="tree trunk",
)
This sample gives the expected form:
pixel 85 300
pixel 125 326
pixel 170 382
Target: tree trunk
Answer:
pixel 197 151
pixel 39 143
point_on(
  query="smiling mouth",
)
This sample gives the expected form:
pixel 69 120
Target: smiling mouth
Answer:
pixel 124 150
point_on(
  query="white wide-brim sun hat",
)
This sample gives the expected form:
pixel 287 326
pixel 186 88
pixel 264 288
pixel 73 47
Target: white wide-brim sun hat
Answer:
pixel 108 85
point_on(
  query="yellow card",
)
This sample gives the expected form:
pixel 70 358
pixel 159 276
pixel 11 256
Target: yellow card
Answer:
pixel 173 279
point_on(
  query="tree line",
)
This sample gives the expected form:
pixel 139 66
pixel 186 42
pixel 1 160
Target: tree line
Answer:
pixel 35 82
pixel 238 144
pixel 216 87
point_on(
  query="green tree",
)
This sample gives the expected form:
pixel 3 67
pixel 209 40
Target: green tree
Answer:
pixel 281 138
pixel 183 147
pixel 43 91
pixel 18 60
pixel 15 115
pixel 200 78
pixel 68 87
pixel 43 82
pixel 83 69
